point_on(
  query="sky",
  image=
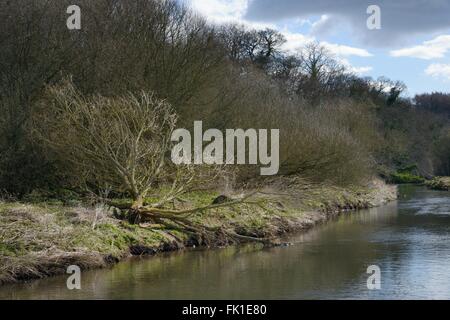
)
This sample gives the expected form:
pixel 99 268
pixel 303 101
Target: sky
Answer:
pixel 411 45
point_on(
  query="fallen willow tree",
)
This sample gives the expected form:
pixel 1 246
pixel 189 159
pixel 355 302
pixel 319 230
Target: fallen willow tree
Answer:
pixel 122 143
pixel 180 220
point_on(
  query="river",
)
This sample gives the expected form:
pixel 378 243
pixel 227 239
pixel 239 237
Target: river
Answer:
pixel 409 240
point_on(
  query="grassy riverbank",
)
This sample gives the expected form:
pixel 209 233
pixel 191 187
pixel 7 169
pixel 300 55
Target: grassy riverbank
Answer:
pixel 439 183
pixel 41 239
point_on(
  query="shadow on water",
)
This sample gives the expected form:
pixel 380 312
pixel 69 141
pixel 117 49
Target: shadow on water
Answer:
pixel 408 239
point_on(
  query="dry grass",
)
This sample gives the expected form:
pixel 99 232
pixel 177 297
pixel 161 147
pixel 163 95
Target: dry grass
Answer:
pixel 439 183
pixel 46 263
pixel 39 240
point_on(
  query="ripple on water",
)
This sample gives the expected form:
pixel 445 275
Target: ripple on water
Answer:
pixel 424 206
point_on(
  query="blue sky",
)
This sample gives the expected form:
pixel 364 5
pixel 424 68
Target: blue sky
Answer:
pixel 413 44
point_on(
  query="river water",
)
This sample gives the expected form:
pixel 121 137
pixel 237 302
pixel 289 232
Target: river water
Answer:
pixel 409 240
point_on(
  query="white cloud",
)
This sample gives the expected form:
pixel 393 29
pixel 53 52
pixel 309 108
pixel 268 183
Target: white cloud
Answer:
pixel 326 25
pixel 226 11
pixel 433 49
pixel 401 19
pixel 353 69
pixel 321 25
pixel 294 41
pixel 360 70
pixel 220 11
pixel 342 50
pixel 438 70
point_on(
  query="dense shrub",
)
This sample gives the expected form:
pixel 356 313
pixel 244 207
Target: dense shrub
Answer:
pixel 334 125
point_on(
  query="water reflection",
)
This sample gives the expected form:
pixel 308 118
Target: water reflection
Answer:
pixel 408 239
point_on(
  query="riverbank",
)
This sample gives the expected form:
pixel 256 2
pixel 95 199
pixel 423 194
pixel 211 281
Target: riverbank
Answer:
pixel 41 239
pixel 439 183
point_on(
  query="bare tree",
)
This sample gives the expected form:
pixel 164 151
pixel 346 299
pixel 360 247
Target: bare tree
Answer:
pixel 123 142
pixel 270 42
pixel 118 141
pixel 319 70
pixel 256 46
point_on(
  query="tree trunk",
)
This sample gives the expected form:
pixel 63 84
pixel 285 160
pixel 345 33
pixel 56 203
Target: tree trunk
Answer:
pixel 137 203
pixel 134 216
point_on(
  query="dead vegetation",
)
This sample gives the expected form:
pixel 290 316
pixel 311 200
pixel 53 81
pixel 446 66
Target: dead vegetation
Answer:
pixel 122 143
pixel 39 240
pixel 439 183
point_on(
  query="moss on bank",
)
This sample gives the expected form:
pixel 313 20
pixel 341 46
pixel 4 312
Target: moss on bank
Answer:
pixel 39 240
pixel 404 178
pixel 439 183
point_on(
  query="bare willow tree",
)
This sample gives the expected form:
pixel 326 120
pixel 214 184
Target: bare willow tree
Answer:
pixel 123 142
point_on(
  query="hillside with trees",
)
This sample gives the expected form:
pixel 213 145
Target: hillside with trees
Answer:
pixel 336 126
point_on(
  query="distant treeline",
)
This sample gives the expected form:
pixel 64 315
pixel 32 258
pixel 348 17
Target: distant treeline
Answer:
pixel 335 126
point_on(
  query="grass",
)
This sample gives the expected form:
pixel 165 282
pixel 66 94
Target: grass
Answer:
pixel 53 235
pixel 42 239
pixel 439 183
pixel 404 178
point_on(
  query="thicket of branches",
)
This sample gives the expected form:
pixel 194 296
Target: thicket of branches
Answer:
pixel 137 65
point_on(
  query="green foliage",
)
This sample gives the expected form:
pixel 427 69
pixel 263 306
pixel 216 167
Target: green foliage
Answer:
pixel 401 178
pixel 64 196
